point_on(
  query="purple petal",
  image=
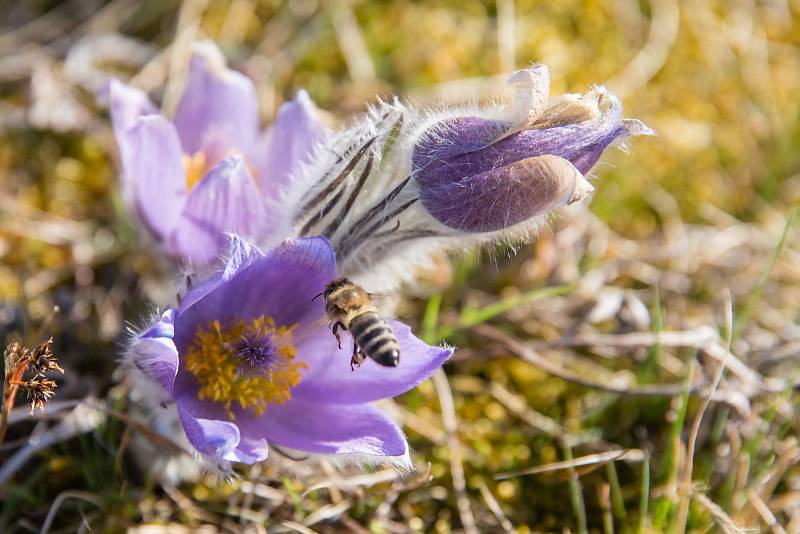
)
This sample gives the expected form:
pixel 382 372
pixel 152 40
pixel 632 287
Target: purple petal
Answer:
pixel 127 104
pixel 151 160
pixel 210 432
pixel 287 144
pixel 502 197
pixel 226 200
pixel 452 151
pixel 281 284
pixel 154 352
pixel 329 378
pixel 333 429
pixel 240 254
pixel 164 327
pixel 219 108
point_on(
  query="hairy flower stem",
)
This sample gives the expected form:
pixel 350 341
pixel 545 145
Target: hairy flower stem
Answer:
pixel 11 384
pixel 351 243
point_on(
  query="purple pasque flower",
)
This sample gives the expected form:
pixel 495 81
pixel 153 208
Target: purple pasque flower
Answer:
pixel 484 174
pixel 211 170
pixel 248 362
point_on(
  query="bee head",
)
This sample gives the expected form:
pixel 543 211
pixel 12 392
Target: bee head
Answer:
pixel 333 285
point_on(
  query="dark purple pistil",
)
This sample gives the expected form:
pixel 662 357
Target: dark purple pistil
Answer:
pixel 255 352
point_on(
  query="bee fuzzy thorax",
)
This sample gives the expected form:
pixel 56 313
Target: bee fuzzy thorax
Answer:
pixel 350 307
pixel 344 301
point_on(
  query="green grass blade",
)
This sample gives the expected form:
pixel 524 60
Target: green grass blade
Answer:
pixel 576 494
pixel 477 316
pixel 744 315
pixel 617 501
pixel 644 496
pixel 429 330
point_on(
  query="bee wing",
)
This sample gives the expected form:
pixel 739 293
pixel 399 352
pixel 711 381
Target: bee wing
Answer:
pixel 322 321
pixel 311 329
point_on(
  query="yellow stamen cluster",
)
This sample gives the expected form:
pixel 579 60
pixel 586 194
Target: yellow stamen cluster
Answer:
pixel 196 166
pixel 224 377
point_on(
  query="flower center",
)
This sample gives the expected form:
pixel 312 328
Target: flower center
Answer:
pixel 247 362
pixel 198 164
pixel 256 350
pixel 195 166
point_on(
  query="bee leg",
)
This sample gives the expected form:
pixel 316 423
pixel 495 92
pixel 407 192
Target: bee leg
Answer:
pixel 357 359
pixel 336 327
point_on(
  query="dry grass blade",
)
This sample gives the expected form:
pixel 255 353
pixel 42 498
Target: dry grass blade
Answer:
pixel 351 42
pixel 456 466
pixel 704 338
pixel 604 499
pixel 656 390
pixel 631 455
pixel 495 508
pixel 187 505
pixel 686 483
pixel 661 38
pixel 765 513
pixel 185 34
pixel 22 413
pixel 84 418
pixel 506 35
pixel 385 475
pixel 59 500
pixel 145 430
pixel 517 405
pixel 327 513
pixel 354 526
pixel 262 491
pixel 723 520
pixel 788 454
pixel 297 527
pixel 697 337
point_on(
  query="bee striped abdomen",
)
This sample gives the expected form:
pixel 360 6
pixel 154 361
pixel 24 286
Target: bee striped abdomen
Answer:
pixel 375 338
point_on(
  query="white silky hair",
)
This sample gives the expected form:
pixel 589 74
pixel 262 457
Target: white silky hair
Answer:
pixel 359 189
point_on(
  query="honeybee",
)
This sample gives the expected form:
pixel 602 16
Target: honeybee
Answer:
pixel 350 307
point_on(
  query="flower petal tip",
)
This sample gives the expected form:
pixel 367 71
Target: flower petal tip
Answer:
pixel 636 127
pixel 209 53
pixel 535 74
pixel 582 189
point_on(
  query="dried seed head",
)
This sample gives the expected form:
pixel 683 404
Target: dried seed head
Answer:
pixel 43 359
pixel 39 392
pixel 13 354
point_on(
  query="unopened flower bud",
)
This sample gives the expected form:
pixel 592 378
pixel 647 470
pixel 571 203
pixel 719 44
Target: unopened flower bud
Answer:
pixel 481 175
